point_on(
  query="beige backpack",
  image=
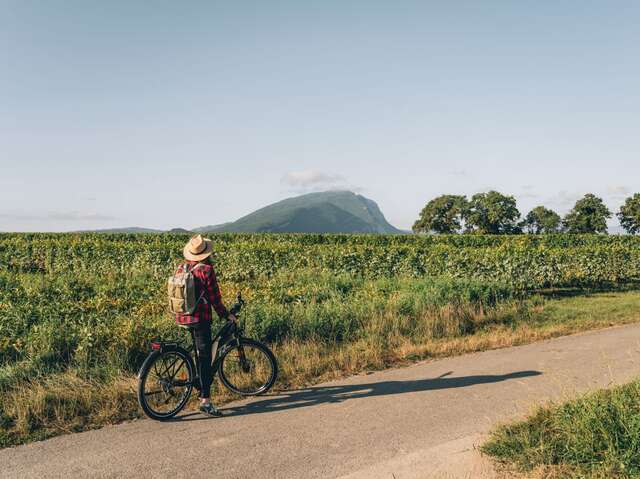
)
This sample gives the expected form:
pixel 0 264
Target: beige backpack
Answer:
pixel 182 291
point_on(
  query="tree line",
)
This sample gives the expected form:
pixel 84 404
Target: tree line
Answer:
pixel 495 213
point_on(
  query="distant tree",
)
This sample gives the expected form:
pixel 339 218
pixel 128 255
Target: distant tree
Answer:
pixel 442 215
pixel 492 213
pixel 542 220
pixel 589 215
pixel 629 214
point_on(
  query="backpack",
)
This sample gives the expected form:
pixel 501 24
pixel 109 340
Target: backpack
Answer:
pixel 182 291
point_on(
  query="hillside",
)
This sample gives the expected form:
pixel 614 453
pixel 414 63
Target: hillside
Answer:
pixel 325 212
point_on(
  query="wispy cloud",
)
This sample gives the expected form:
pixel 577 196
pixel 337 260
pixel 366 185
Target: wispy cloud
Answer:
pixel 314 180
pixel 460 173
pixel 564 199
pixel 618 192
pixel 528 195
pixel 310 178
pixel 57 216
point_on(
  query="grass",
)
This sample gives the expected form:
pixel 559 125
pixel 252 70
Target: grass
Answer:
pixel 42 396
pixel 594 436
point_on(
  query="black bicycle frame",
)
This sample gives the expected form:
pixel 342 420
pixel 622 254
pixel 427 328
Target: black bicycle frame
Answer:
pixel 228 333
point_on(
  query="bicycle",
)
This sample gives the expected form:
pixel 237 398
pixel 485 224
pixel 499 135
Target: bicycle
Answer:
pixel 168 375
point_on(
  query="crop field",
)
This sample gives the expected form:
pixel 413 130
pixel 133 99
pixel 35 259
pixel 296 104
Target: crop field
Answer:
pixel 77 311
pixel 524 261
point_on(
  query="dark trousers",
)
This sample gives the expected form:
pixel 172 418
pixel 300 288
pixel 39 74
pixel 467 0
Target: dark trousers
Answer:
pixel 202 337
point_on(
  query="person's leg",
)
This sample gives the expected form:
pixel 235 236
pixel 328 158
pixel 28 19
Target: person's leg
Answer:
pixel 202 336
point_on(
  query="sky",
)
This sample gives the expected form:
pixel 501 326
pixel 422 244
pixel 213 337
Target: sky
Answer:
pixel 167 114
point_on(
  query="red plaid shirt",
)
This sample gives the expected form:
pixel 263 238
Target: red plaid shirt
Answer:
pixel 208 291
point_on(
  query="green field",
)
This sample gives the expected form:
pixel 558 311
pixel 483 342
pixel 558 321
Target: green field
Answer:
pixel 524 261
pixel 77 310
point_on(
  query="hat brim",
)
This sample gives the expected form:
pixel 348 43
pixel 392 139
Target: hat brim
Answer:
pixel 200 256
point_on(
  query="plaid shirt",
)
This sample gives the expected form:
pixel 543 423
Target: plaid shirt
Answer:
pixel 208 291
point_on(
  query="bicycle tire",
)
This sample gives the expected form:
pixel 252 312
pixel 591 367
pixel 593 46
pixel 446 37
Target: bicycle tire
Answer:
pixel 248 344
pixel 149 367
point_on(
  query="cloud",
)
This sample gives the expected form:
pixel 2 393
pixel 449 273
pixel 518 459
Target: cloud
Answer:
pixel 76 216
pixel 307 181
pixel 563 200
pixel 618 192
pixel 57 216
pixel 564 197
pixel 528 195
pixel 460 173
pixel 311 178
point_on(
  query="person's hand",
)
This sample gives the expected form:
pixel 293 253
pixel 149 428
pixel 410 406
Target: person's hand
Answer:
pixel 232 317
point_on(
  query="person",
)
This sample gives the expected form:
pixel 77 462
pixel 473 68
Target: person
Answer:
pixel 198 252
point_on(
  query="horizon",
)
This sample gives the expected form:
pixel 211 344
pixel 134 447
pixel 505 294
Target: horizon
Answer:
pixel 615 229
pixel 113 112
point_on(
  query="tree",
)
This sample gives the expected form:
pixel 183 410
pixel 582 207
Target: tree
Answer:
pixel 589 215
pixel 542 220
pixel 629 214
pixel 442 215
pixel 492 213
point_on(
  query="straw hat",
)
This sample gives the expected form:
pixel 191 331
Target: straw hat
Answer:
pixel 198 248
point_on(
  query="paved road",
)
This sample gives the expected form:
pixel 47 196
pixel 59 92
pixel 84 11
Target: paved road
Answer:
pixel 419 421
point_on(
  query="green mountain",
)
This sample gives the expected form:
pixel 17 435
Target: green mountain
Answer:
pixel 326 212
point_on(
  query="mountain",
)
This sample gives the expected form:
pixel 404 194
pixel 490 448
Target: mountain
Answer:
pixel 325 212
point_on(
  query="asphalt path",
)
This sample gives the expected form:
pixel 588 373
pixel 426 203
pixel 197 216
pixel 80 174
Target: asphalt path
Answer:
pixel 421 421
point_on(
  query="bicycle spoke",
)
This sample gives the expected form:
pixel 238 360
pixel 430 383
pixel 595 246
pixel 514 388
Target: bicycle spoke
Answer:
pixel 248 369
pixel 155 369
pixel 168 367
pixel 175 370
pixel 167 383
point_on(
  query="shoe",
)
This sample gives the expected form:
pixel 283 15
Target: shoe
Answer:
pixel 210 410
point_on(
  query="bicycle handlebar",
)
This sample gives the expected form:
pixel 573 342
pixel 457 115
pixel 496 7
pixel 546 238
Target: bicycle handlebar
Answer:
pixel 235 309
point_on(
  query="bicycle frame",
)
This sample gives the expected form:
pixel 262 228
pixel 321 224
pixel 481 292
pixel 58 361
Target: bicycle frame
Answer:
pixel 228 334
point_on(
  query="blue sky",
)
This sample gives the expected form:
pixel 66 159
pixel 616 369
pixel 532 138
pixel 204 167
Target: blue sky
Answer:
pixel 164 114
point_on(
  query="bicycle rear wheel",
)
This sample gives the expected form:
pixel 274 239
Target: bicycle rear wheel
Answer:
pixel 165 383
pixel 248 368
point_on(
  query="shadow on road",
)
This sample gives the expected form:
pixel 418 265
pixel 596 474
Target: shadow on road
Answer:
pixel 334 394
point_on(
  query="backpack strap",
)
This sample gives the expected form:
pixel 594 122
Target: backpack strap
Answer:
pixel 203 289
pixel 185 267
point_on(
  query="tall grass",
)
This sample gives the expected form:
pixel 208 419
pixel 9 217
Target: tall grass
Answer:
pixel 595 436
pixel 70 344
pixel 88 320
pixel 65 385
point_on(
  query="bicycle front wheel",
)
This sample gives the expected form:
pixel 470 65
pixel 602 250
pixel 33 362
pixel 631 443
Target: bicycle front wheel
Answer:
pixel 248 368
